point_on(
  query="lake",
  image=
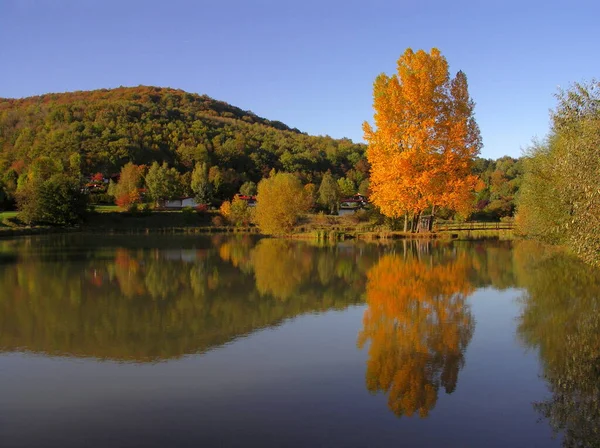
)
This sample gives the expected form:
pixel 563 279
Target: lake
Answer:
pixel 158 340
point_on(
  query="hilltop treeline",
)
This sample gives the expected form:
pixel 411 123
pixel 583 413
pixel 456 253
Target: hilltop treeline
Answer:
pixel 102 130
pixel 81 134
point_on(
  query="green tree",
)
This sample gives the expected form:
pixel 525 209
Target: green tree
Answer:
pixel 281 201
pixel 162 182
pixel 346 187
pixel 239 214
pixel 56 201
pixel 201 186
pixel 559 199
pixel 248 188
pixel 329 193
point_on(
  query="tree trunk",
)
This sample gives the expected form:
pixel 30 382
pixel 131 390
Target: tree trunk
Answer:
pixel 432 217
pixel 405 222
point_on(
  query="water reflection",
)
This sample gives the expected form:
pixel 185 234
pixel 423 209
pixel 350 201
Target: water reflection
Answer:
pixel 418 325
pixel 121 300
pixel 145 299
pixel 561 319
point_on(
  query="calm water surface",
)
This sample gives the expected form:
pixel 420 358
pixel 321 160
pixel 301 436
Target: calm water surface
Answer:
pixel 164 341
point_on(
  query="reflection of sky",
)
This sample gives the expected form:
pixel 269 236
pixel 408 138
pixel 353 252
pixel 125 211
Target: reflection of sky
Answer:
pixel 299 384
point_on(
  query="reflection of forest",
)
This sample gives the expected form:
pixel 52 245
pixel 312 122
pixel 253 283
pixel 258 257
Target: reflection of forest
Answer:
pixel 147 298
pixel 122 300
pixel 561 318
pixel 417 324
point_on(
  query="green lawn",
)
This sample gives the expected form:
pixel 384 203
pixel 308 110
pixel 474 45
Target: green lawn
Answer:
pixel 107 208
pixel 4 215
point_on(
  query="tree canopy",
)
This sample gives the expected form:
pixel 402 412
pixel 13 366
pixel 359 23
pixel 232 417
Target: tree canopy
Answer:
pixel 109 128
pixel 425 137
pixel 281 200
pixel 560 198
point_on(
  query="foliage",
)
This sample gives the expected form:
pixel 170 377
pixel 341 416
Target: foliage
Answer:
pixel 109 127
pixel 281 200
pixel 56 201
pixel 329 193
pixel 346 187
pixel 225 209
pixel 162 182
pixel 236 212
pixel 248 188
pixel 425 138
pixel 201 186
pixel 560 199
pixel 240 213
pixel 127 190
pixel 363 188
pixel 501 183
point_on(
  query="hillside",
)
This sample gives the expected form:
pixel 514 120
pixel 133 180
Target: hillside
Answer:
pixel 110 127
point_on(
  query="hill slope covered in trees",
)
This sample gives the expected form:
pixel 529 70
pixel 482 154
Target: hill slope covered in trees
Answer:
pixel 102 130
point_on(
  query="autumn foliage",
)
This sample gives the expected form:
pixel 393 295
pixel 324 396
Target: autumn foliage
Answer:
pixel 281 200
pixel 425 138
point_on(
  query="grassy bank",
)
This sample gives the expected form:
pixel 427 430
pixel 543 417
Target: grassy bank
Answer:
pixel 111 219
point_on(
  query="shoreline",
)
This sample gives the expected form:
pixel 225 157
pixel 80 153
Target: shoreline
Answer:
pixel 322 234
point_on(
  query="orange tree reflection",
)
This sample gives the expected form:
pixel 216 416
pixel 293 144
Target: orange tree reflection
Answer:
pixel 417 325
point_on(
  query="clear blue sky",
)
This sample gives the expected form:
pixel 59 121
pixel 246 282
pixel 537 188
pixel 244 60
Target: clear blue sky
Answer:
pixel 310 64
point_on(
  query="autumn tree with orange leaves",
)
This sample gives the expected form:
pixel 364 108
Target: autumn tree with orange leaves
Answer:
pixel 424 138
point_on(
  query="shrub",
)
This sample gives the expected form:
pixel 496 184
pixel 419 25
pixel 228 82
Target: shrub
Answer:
pixel 240 214
pixel 218 221
pixel 133 208
pixel 225 209
pixel 146 208
pixel 56 201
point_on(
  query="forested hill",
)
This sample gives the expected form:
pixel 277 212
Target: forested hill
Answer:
pixel 101 130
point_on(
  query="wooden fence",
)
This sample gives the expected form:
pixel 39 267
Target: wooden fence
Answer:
pixel 456 226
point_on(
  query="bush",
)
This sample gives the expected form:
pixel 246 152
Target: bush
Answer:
pixel 218 221
pixel 240 213
pixel 56 201
pixel 146 209
pixel 225 210
pixel 133 208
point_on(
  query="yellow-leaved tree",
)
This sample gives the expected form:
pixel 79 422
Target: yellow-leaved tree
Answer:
pixel 281 200
pixel 424 138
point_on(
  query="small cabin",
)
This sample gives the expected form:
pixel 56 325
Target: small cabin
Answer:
pixel 180 203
